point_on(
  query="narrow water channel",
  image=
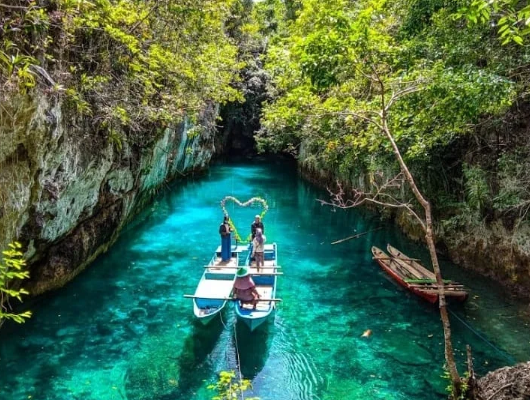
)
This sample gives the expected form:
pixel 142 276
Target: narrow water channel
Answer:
pixel 122 329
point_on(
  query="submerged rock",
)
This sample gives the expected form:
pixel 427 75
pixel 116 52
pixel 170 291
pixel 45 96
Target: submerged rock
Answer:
pixel 508 383
pixel 410 353
pixel 138 312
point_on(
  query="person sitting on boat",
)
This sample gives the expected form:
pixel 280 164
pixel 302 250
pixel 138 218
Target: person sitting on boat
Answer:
pixel 257 224
pixel 245 288
pixel 258 248
pixel 225 230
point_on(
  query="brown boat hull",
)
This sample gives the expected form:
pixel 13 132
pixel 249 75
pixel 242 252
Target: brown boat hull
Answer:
pixel 430 295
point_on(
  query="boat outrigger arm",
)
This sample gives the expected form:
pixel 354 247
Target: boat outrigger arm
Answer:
pixel 191 296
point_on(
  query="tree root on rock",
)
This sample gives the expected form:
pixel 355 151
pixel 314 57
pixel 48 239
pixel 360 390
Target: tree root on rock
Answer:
pixel 508 383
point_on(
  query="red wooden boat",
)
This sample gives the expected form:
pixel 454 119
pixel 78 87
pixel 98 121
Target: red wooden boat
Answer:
pixel 415 277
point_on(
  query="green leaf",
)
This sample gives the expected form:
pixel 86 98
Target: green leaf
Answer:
pixel 10 269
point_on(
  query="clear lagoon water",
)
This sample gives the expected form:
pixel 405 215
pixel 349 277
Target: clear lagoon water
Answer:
pixel 122 329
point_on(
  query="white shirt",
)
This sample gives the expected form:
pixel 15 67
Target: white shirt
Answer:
pixel 256 247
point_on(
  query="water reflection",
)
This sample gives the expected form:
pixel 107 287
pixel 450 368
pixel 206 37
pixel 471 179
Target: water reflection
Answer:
pixel 253 347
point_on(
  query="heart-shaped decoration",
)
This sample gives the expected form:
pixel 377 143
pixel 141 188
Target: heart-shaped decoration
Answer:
pixel 247 203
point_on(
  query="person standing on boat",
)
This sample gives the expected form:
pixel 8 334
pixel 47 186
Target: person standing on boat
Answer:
pixel 257 224
pixel 245 288
pixel 225 231
pixel 258 248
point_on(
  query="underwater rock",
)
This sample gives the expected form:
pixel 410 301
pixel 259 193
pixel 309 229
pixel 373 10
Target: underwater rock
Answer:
pixel 68 331
pixel 435 381
pixel 407 352
pixel 138 312
pixel 156 304
pixel 154 366
pixel 354 389
pixel 138 328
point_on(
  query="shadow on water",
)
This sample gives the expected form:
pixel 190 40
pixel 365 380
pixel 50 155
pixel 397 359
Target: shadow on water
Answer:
pixel 164 370
pixel 195 361
pixel 253 347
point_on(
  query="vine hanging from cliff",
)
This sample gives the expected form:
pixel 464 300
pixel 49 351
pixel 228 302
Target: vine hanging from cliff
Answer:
pixel 12 267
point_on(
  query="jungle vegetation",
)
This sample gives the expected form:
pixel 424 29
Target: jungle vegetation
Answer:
pixel 459 68
pixel 404 103
pixel 132 67
pixel 456 80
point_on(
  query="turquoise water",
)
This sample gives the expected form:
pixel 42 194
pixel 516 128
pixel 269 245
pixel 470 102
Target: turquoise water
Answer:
pixel 122 329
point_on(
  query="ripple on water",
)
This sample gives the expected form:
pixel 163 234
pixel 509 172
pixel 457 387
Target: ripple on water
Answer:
pixel 122 329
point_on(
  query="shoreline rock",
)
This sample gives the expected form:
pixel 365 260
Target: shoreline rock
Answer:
pixel 508 383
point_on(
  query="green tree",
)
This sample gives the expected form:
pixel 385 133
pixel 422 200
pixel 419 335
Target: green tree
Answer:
pixel 134 66
pixel 511 16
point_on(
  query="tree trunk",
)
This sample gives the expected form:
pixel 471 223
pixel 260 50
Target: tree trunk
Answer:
pixel 471 380
pixel 449 353
pixel 429 237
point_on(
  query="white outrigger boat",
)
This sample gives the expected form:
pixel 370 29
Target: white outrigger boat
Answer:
pixel 265 281
pixel 215 287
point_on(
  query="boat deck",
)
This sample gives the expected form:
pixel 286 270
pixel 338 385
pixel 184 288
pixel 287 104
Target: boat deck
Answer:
pixel 240 248
pixel 266 293
pixel 220 266
pixel 218 279
pixel 416 277
pixel 268 264
pixel 217 288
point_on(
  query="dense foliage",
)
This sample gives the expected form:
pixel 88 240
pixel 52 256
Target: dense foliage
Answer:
pixel 451 90
pixel 133 65
pixel 455 77
pixel 513 17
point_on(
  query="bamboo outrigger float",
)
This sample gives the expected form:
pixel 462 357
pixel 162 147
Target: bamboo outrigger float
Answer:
pixel 409 273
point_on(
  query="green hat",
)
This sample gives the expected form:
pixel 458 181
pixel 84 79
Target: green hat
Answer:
pixel 241 272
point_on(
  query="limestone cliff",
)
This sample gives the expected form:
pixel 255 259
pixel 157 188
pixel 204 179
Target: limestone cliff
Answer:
pixel 66 190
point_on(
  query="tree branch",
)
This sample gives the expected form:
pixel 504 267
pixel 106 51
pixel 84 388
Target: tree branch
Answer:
pixel 403 92
pixel 14 7
pixel 500 390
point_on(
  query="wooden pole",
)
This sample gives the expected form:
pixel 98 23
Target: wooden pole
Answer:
pixel 435 286
pixel 192 296
pixel 356 236
pixel 221 267
pixel 266 273
pixel 445 281
pixel 395 259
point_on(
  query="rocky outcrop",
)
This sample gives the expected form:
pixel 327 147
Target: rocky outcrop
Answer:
pixel 66 188
pixel 495 252
pixel 509 383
